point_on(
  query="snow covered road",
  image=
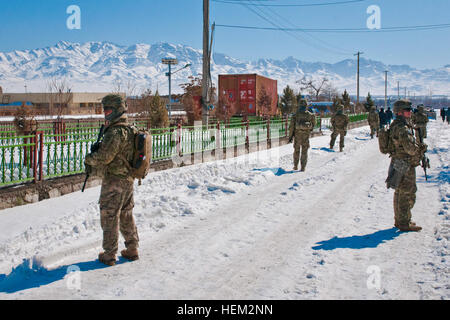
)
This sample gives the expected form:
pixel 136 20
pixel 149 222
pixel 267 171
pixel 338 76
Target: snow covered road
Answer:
pixel 246 228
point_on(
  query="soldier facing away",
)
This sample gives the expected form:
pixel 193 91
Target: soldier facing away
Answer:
pixel 301 126
pixel 405 155
pixel 374 121
pixel 389 115
pixel 448 115
pixel 443 114
pixel 339 122
pixel 116 196
pixel 419 121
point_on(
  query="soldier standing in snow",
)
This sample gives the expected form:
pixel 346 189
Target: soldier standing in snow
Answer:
pixel 116 196
pixel 406 155
pixel 301 126
pixel 339 122
pixel 419 121
pixel 374 121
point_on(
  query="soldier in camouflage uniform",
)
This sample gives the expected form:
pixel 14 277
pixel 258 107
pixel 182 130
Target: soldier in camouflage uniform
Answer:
pixel 339 122
pixel 419 121
pixel 301 126
pixel 374 121
pixel 116 196
pixel 406 154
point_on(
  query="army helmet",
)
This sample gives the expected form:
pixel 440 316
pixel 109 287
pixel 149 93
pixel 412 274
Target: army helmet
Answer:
pixel 401 105
pixel 302 104
pixel 420 108
pixel 116 103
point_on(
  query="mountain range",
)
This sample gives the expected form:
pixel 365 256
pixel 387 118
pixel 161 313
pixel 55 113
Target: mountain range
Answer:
pixel 105 66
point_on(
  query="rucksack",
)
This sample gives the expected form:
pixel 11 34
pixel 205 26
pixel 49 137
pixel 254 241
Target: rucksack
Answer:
pixel 383 140
pixel 303 122
pixel 142 154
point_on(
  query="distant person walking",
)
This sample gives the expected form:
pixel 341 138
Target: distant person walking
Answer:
pixel 383 118
pixel 389 115
pixel 443 114
pixel 448 115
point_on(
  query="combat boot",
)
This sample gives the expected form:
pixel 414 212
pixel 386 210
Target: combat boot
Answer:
pixel 295 168
pixel 130 254
pixel 397 225
pixel 410 227
pixel 107 259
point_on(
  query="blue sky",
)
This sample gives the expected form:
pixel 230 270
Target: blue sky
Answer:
pixel 29 24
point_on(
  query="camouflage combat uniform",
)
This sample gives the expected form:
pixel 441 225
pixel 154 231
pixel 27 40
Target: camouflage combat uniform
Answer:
pixel 419 121
pixel 116 196
pixel 374 122
pixel 301 126
pixel 405 149
pixel 339 122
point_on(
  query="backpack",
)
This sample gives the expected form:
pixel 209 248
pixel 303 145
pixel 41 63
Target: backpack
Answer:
pixel 142 154
pixel 303 121
pixel 383 140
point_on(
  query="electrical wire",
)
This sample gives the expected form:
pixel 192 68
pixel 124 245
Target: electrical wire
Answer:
pixel 290 5
pixel 327 46
pixel 344 30
pixel 290 31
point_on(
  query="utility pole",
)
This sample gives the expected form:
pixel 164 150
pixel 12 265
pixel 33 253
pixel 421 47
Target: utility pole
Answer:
pixel 385 90
pixel 169 62
pixel 398 89
pixel 357 79
pixel 205 80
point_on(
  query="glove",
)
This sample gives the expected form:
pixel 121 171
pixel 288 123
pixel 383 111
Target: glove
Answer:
pixel 423 148
pixel 95 146
pixel 290 139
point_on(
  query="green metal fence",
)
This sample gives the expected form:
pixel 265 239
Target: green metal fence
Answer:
pixel 47 155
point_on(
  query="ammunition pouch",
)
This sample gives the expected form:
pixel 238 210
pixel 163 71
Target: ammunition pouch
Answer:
pixel 397 171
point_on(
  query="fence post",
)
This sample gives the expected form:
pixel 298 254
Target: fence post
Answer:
pixel 179 138
pixel 286 126
pixel 247 140
pixel 41 155
pixel 218 136
pixel 35 150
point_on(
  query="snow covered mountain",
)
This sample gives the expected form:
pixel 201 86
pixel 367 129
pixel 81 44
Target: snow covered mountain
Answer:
pixel 103 66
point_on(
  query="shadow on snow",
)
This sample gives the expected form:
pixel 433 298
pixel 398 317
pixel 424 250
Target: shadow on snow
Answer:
pixel 276 171
pixel 324 149
pixel 31 274
pixel 358 242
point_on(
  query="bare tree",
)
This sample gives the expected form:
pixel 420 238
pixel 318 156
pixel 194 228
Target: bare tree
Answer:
pixel 264 102
pixel 312 86
pixel 60 94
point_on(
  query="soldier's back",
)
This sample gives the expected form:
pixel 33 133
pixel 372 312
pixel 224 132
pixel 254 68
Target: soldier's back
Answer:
pixel 340 121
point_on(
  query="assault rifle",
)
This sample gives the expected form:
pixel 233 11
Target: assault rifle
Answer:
pixel 425 162
pixel 94 148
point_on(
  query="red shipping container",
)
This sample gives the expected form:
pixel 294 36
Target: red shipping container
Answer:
pixel 246 90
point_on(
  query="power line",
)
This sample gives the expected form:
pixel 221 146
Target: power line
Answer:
pixel 290 5
pixel 263 15
pixel 325 45
pixel 343 30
